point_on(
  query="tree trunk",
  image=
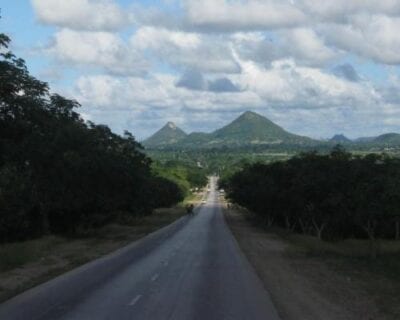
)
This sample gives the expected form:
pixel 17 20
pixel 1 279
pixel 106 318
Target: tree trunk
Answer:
pixel 370 230
pixel 269 221
pixel 289 225
pixel 319 233
pixel 304 226
pixel 319 228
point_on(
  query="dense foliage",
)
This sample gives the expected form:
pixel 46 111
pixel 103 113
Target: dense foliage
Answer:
pixel 59 173
pixel 222 161
pixel 186 176
pixel 333 196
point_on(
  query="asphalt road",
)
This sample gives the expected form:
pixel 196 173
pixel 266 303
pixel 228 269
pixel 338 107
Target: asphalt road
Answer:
pixel 192 269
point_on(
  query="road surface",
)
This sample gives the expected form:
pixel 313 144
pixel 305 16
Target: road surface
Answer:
pixel 192 269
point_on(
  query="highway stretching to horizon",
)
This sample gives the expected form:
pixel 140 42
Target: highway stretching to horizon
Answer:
pixel 192 269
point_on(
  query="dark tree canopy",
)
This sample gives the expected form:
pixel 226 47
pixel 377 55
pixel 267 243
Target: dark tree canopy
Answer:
pixel 333 196
pixel 59 173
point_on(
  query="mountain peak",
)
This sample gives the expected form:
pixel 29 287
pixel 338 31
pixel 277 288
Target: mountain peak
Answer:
pixel 250 115
pixel 251 119
pixel 340 138
pixel 253 128
pixel 171 125
pixel 167 135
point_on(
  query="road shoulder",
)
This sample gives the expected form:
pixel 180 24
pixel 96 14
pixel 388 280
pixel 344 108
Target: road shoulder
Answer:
pixel 301 287
pixel 30 263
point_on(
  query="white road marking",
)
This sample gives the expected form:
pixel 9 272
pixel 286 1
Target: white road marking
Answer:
pixel 154 278
pixel 136 299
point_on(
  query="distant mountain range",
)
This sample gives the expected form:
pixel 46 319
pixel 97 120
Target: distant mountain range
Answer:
pixel 387 139
pixel 249 129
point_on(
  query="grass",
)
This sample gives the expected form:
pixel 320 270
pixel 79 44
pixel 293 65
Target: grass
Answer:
pixel 379 277
pixel 14 255
pixel 26 264
pixel 355 248
pixel 194 198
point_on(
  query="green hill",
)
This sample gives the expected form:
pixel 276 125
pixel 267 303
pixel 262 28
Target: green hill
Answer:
pixel 168 135
pixel 253 129
pixel 195 140
pixel 340 138
pixel 384 140
pixel 249 129
pixel 388 138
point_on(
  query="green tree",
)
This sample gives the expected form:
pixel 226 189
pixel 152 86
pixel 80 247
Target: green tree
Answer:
pixel 60 174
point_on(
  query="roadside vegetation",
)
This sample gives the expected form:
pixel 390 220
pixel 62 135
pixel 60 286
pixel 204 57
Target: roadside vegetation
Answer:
pixel 28 263
pixel 70 190
pixel 189 177
pixel 334 196
pixel 378 279
pixel 322 279
pixel 221 161
pixel 334 218
pixel 60 174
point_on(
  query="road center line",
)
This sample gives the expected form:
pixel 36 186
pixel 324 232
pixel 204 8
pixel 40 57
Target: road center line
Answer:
pixel 136 299
pixel 154 278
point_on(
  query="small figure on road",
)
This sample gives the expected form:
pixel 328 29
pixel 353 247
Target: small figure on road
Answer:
pixel 189 208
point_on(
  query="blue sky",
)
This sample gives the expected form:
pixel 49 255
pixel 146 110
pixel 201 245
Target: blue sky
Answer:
pixel 316 68
pixel 19 22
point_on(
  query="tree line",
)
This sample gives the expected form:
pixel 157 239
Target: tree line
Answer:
pixel 58 173
pixel 186 175
pixel 333 196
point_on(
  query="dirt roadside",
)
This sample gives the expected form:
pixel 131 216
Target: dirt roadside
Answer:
pixel 26 264
pixel 301 287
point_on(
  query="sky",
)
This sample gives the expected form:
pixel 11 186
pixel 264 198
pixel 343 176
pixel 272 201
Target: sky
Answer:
pixel 314 67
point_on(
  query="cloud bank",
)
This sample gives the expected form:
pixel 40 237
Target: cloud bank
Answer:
pixel 315 67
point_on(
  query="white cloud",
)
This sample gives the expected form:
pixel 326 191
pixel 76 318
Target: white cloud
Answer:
pixel 290 94
pixel 81 14
pixel 97 49
pixel 142 105
pixel 276 57
pixel 186 49
pixel 222 15
pixel 371 36
pixel 286 85
pixel 340 10
pixel 105 91
pixel 157 38
pixel 303 45
pixel 159 91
